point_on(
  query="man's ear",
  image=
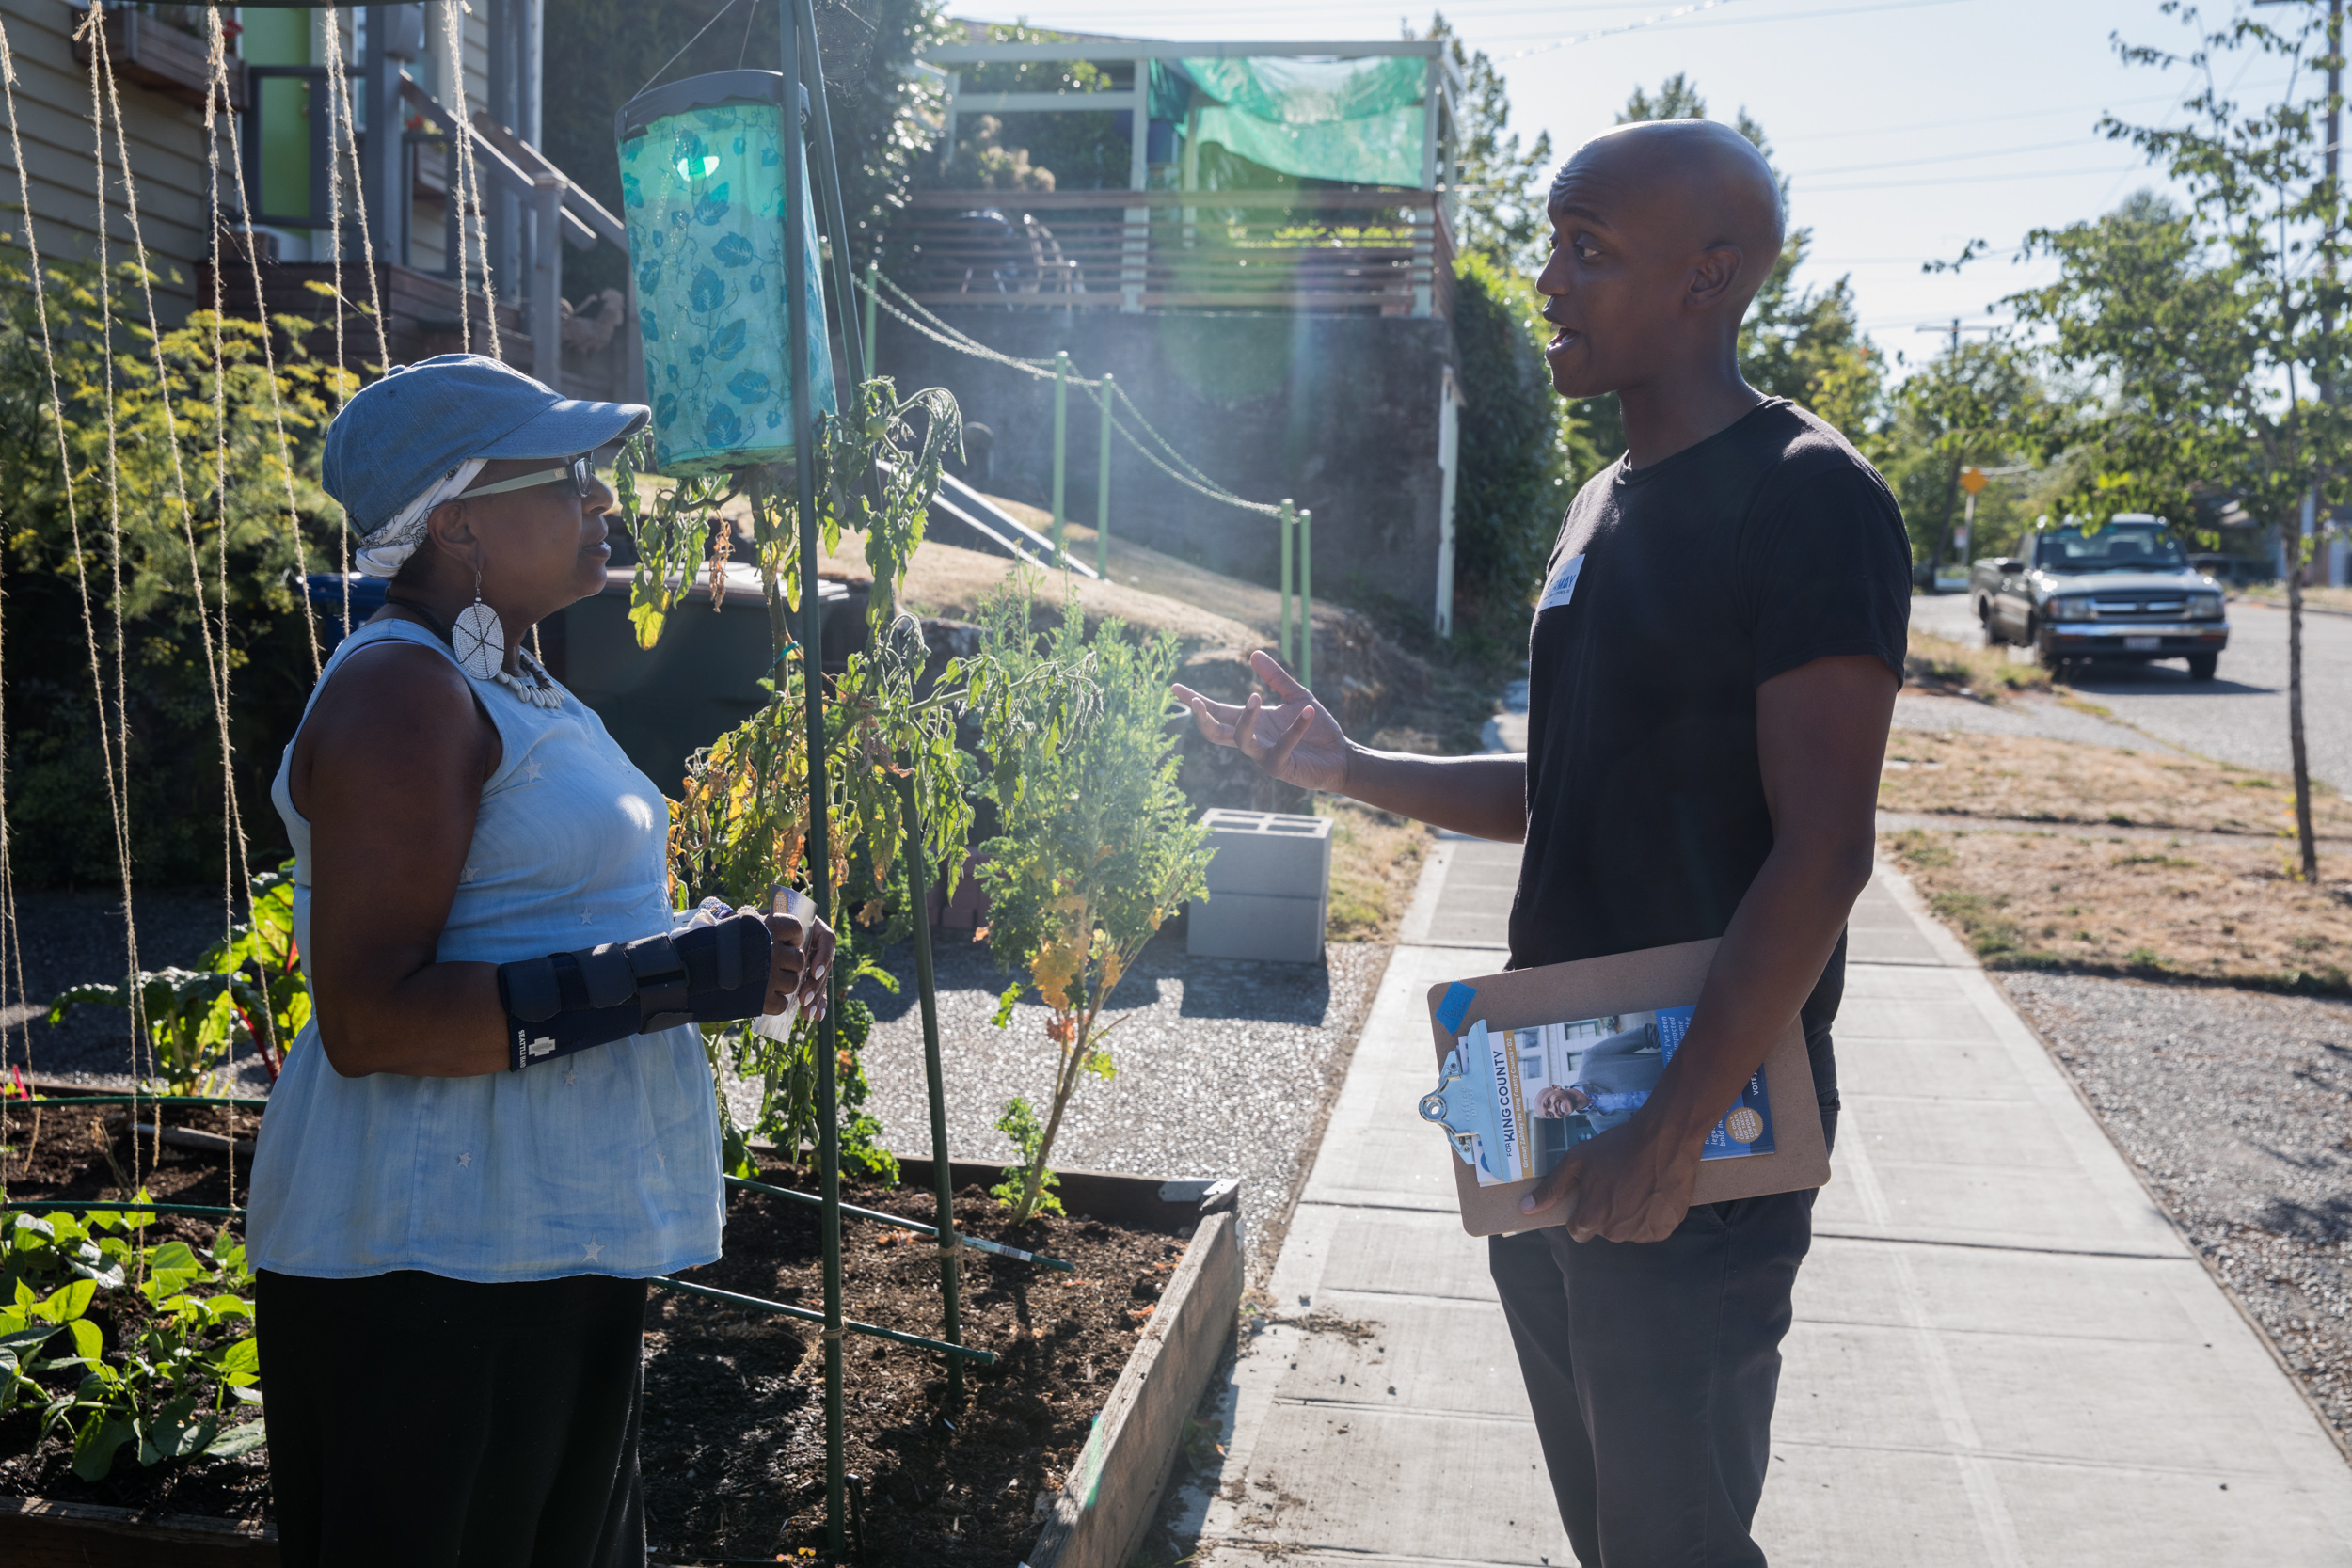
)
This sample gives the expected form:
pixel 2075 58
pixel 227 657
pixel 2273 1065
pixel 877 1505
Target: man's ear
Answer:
pixel 1713 274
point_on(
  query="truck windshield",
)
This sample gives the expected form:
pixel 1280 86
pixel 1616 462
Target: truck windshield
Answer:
pixel 2117 548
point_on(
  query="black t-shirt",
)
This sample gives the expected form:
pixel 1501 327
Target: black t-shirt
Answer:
pixel 1675 592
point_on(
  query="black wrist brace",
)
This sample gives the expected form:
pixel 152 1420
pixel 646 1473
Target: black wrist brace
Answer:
pixel 568 1002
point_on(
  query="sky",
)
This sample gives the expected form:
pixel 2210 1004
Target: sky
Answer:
pixel 1908 127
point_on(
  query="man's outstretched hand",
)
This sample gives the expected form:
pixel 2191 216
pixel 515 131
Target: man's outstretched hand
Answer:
pixel 1294 739
pixel 1629 1184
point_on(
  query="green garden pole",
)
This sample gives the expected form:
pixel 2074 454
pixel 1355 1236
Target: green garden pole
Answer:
pixel 942 1179
pixel 1061 446
pixel 796 269
pixel 1306 597
pixel 1103 490
pixel 828 172
pixel 1282 521
pixel 873 301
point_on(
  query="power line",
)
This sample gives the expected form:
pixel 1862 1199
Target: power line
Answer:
pixel 1937 158
pixel 1983 179
pixel 1699 5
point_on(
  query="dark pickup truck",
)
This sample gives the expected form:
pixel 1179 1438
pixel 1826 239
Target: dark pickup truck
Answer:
pixel 2125 591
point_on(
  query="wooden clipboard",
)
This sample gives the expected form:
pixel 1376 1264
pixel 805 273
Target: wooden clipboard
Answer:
pixel 1625 982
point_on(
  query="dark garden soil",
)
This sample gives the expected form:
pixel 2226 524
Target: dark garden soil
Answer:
pixel 733 1449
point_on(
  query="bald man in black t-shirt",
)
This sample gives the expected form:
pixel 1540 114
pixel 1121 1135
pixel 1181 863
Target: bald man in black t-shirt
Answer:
pixel 1716 649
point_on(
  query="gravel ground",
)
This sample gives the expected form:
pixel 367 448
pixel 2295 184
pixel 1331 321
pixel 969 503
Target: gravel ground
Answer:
pixel 1226 1068
pixel 2238 1109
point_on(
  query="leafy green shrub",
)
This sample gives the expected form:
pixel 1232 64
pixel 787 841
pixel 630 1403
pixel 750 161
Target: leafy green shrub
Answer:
pixel 232 556
pixel 1097 846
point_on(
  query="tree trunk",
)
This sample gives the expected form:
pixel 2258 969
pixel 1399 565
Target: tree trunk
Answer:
pixel 2304 839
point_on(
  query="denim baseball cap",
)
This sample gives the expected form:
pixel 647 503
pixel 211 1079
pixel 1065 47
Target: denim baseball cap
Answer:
pixel 400 433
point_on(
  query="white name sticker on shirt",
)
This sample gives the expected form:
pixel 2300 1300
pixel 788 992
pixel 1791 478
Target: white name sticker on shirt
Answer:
pixel 1563 586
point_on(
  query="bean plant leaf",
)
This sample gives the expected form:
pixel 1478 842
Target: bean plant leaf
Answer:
pixel 97 1442
pixel 237 1440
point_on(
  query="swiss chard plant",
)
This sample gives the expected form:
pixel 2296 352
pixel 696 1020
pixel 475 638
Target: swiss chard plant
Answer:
pixel 245 993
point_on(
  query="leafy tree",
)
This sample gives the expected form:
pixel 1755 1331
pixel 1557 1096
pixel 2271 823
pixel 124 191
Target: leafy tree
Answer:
pixel 1097 845
pixel 1976 405
pixel 1500 212
pixel 2208 338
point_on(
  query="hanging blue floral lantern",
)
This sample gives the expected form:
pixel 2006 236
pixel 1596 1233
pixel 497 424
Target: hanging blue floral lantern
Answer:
pixel 701 193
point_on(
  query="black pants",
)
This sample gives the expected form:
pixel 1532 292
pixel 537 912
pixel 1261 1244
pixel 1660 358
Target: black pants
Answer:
pixel 422 1422
pixel 1652 1369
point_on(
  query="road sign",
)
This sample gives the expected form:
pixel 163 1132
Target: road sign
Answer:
pixel 1972 479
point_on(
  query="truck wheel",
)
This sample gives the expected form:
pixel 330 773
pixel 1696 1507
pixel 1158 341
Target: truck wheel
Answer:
pixel 2045 654
pixel 2202 666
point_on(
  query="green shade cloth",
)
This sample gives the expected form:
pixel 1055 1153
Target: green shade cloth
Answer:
pixel 1356 121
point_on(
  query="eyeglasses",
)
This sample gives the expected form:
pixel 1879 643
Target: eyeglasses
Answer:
pixel 579 470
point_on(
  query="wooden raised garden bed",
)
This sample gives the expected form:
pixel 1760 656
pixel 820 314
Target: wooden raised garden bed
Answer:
pixel 1057 1459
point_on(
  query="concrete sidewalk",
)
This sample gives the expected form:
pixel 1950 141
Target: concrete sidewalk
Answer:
pixel 2003 1355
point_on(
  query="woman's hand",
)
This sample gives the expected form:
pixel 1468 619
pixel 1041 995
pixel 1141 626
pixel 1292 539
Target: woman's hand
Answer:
pixel 798 963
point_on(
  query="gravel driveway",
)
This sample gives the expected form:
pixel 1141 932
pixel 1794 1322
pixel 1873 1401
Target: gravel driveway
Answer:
pixel 2236 1107
pixel 1225 1069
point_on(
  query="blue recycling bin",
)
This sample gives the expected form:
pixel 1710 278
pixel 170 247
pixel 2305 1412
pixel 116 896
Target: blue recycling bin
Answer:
pixel 702 194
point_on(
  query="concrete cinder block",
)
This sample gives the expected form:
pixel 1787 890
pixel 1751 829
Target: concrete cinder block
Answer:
pixel 1269 887
pixel 1252 926
pixel 1257 852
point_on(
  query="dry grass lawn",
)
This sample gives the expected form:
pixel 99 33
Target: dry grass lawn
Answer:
pixel 2033 779
pixel 1939 664
pixel 2214 908
pixel 1376 861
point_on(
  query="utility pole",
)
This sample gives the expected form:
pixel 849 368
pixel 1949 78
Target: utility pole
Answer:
pixel 1951 489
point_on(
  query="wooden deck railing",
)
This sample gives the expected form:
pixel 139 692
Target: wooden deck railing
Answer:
pixel 1375 253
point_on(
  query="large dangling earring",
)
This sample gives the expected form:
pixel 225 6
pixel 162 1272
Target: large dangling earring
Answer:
pixel 478 637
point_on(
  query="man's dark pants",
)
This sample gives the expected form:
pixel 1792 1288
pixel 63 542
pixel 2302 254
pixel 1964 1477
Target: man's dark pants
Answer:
pixel 1652 1369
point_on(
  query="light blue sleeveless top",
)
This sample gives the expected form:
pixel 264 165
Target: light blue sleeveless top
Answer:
pixel 604 1162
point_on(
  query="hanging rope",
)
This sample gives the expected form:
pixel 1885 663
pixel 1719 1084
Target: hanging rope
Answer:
pixel 331 40
pixel 947 336
pixel 65 463
pixel 338 80
pixel 219 42
pixel 469 193
pixel 117 740
pixel 216 659
pixel 237 866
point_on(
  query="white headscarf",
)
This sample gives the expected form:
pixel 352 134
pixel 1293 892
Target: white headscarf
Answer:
pixel 382 552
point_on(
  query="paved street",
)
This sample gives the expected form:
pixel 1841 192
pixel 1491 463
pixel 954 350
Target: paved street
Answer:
pixel 2241 715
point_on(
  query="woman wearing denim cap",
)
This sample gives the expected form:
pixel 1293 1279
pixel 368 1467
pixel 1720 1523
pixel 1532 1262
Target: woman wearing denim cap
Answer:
pixel 499 1122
